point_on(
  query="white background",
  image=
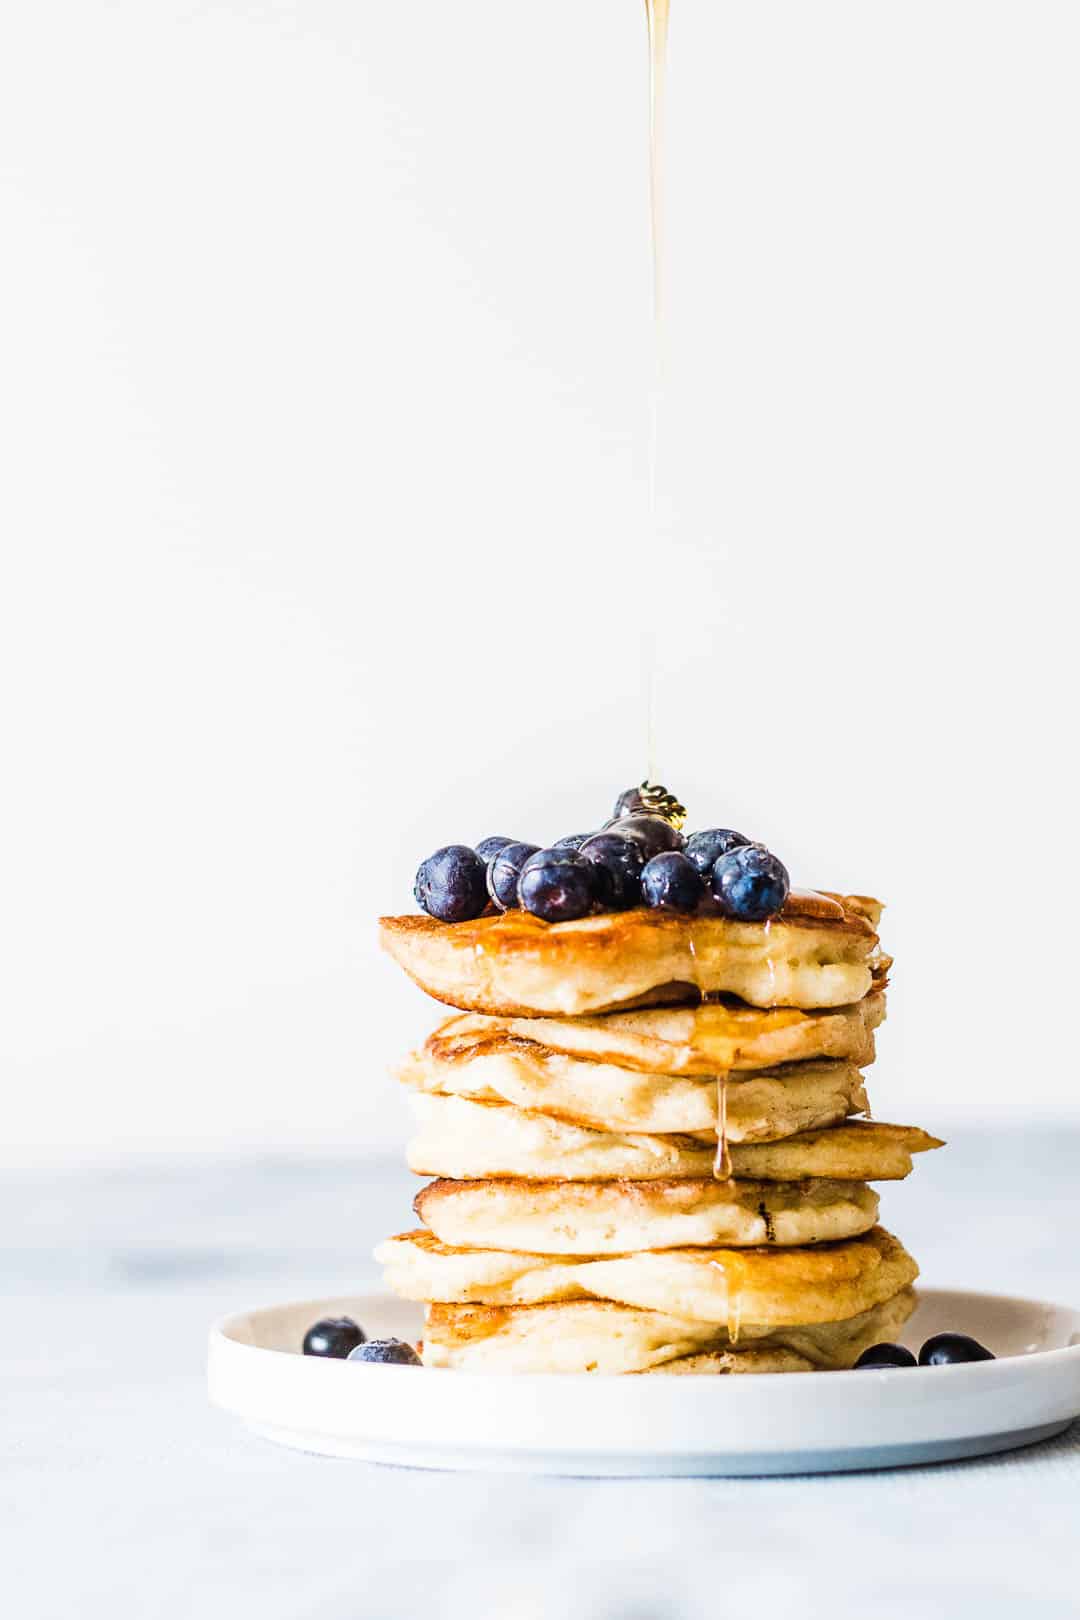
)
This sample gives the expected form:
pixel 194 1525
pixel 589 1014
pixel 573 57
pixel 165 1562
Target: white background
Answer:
pixel 324 359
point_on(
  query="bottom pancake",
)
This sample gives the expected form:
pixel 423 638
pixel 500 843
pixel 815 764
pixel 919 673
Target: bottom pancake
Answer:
pixel 768 1287
pixel 605 1338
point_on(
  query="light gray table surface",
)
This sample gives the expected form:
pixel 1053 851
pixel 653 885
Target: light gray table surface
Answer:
pixel 123 1494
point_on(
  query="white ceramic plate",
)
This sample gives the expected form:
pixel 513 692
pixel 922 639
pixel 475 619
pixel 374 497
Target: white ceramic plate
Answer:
pixel 787 1423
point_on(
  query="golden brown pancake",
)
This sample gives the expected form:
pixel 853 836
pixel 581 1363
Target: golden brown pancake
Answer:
pixel 617 1217
pixel 605 1338
pixel 768 1287
pixel 820 954
pixel 471 1140
pixel 859 1150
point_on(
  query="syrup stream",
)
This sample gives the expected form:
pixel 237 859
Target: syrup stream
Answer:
pixel 656 15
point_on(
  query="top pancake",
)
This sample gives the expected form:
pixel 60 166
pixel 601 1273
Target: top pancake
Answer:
pixel 820 952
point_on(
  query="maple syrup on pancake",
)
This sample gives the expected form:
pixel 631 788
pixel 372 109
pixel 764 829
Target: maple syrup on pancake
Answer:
pixel 722 1161
pixel 734 1279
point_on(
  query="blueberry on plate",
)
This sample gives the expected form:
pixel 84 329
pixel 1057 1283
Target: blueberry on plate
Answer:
pixel 672 882
pixel 886 1355
pixel 950 1349
pixel 503 871
pixel 705 848
pixel 652 834
pixel 572 841
pixel 450 884
pixel 487 847
pixel 336 1336
pixel 558 885
pixel 617 864
pixel 391 1352
pixel 749 883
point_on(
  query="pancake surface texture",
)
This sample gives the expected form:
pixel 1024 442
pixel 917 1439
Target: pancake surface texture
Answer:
pixel 616 1217
pixel 470 1140
pixel 819 955
pixel 606 1338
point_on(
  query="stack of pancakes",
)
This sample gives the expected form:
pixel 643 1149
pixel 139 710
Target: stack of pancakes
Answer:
pixel 641 1128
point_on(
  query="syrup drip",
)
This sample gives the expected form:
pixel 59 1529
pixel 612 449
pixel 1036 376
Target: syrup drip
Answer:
pixel 722 1162
pixel 734 1277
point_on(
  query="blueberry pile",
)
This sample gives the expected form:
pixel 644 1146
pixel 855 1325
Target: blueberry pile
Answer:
pixel 342 1339
pixel 943 1350
pixel 638 858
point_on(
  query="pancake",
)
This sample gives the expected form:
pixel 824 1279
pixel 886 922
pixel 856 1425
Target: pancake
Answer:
pixel 605 1338
pixel 481 1140
pixel 681 1040
pixel 762 1105
pixel 514 965
pixel 769 1287
pixel 860 1150
pixel 617 1217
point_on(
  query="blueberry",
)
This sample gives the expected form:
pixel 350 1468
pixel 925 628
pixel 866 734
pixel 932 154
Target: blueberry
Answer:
pixel 749 883
pixel 886 1355
pixel 705 848
pixel 487 847
pixel 573 841
pixel 949 1349
pixel 503 873
pixel 336 1336
pixel 391 1352
pixel 451 885
pixel 617 864
pixel 651 833
pixel 672 881
pixel 558 885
